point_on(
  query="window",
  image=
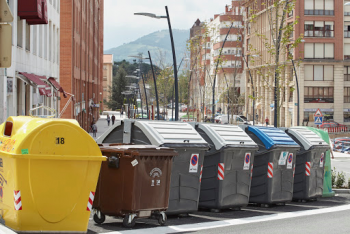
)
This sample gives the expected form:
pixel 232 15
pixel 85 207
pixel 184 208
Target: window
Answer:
pixel 318 95
pixel 346 9
pixel 319 29
pixel 319 72
pixel 347 51
pixel 319 50
pixel 347 73
pixel 346 95
pixel 19 32
pixel 35 39
pixel 347 29
pixel 45 40
pixel 40 40
pixel 319 7
pixel 27 37
pixel 50 40
pixel 309 115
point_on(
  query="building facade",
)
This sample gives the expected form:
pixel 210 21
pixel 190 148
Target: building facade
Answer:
pixel 321 64
pixel 33 79
pixel 207 41
pixel 81 60
pixel 107 77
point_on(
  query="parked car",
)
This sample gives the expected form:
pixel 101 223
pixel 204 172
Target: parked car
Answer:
pixel 218 118
pixel 161 117
pixel 237 119
pixel 331 125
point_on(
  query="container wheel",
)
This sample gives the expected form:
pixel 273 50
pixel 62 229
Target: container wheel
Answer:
pixel 126 222
pixel 162 220
pixel 100 219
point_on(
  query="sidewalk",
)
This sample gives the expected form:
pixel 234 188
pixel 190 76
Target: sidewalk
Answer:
pixel 102 125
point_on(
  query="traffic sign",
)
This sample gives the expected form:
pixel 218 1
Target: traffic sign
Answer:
pixel 318 119
pixel 194 163
pixel 318 113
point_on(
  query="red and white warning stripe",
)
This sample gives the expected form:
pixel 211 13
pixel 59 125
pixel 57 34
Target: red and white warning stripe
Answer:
pixel 221 169
pixel 294 171
pixel 251 172
pixel 270 170
pixel 307 168
pixel 91 200
pixel 18 200
pixel 200 175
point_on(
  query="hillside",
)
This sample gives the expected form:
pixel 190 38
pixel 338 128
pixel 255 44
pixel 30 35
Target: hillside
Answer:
pixel 154 42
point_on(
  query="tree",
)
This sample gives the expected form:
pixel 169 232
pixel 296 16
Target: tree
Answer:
pixel 119 84
pixel 272 45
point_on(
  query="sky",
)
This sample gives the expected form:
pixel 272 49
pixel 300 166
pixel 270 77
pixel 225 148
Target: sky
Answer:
pixel 122 26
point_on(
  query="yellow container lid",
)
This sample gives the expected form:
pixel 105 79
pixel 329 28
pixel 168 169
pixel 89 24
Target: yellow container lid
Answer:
pixel 40 138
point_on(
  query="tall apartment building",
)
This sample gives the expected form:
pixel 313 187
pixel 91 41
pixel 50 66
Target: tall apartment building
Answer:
pixel 82 58
pixel 33 78
pixel 107 76
pixel 322 67
pixel 209 38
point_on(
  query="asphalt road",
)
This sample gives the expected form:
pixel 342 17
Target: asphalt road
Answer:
pixel 327 215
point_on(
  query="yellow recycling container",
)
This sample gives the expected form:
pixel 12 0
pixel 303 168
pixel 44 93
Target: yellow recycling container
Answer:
pixel 48 174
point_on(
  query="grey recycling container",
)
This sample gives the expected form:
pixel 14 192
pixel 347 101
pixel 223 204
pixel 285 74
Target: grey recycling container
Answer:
pixel 272 181
pixel 186 170
pixel 227 166
pixel 309 168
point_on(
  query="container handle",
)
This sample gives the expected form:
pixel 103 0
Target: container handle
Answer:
pixel 53 111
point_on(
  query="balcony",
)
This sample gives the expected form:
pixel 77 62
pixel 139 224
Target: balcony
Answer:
pixel 319 12
pixel 318 33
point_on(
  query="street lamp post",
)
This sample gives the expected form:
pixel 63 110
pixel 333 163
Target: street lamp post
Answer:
pixel 216 70
pixel 155 83
pixel 174 55
pixel 297 83
pixel 144 88
pixel 251 80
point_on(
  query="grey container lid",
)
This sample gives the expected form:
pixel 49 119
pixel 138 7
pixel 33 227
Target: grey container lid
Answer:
pixel 306 137
pixel 227 135
pixel 162 132
pixel 103 136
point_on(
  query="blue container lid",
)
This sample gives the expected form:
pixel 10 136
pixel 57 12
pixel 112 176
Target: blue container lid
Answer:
pixel 272 136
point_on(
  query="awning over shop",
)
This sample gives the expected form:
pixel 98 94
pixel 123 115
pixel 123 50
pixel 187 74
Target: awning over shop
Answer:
pixel 57 86
pixel 47 87
pixel 44 89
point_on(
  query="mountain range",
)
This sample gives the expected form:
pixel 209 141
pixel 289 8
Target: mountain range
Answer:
pixel 158 43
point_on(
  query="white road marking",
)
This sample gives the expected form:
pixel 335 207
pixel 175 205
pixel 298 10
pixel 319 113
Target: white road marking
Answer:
pixel 6 230
pixel 231 222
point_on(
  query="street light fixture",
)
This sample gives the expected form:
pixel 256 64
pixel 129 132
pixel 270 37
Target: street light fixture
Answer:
pixel 174 55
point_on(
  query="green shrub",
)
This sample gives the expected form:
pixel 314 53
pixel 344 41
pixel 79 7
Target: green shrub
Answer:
pixel 349 183
pixel 340 179
pixel 334 176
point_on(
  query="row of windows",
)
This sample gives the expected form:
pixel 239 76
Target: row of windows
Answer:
pixel 319 50
pixel 319 7
pixel 45 39
pixel 319 29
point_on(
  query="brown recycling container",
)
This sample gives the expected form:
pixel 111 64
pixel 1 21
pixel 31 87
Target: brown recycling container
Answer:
pixel 134 183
